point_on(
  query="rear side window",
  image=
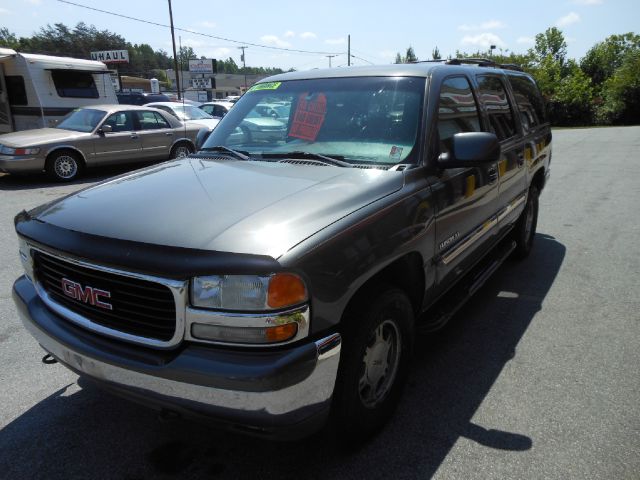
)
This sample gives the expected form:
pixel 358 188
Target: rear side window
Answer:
pixel 151 121
pixel 15 90
pixel 529 100
pixel 457 111
pixel 494 97
pixel 74 83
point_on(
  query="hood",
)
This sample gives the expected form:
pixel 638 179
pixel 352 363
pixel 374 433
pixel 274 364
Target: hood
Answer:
pixel 210 123
pixel 261 208
pixel 39 136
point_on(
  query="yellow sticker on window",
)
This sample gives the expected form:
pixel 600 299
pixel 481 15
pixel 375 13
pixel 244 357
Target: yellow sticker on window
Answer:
pixel 264 86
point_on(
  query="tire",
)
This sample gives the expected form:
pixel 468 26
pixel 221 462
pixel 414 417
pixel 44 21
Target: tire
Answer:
pixel 377 345
pixel 181 150
pixel 64 165
pixel 525 230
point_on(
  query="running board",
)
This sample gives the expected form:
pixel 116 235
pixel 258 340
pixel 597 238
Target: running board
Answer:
pixel 439 314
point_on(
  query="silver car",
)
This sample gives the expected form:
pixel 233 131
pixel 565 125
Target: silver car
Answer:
pixel 95 136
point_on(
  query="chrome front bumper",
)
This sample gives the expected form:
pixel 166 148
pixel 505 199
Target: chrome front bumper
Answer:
pixel 286 393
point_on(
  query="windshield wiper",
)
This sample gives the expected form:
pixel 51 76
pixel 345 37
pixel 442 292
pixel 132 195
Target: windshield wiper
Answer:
pixel 331 160
pixel 240 155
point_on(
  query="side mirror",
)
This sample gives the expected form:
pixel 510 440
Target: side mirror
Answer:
pixel 201 137
pixel 105 129
pixel 471 149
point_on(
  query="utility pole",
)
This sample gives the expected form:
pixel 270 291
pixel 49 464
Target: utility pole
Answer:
pixel 330 57
pixel 349 50
pixel 175 56
pixel 244 66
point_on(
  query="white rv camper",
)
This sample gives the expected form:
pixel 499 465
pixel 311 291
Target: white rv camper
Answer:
pixel 37 90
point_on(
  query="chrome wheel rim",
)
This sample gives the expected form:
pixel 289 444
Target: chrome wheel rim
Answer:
pixel 182 152
pixel 379 364
pixel 65 166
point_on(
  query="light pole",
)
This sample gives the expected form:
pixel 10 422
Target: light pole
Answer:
pixel 175 56
pixel 244 66
pixel 330 57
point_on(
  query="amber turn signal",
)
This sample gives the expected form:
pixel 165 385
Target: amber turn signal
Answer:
pixel 280 333
pixel 286 289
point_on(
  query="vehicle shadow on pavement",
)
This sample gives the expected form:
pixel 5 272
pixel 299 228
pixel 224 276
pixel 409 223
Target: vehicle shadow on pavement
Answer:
pixel 91 434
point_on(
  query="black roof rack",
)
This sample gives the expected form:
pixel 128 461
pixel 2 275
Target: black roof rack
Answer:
pixel 481 62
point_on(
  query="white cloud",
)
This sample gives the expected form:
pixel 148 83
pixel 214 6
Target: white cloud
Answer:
pixel 569 19
pixel 526 40
pixel 335 41
pixel 484 40
pixel 308 35
pixel 289 34
pixel 4 11
pixel 207 24
pixel 275 41
pixel 34 2
pixel 588 2
pixel 488 25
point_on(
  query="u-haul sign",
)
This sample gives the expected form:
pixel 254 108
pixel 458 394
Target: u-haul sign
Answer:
pixel 111 56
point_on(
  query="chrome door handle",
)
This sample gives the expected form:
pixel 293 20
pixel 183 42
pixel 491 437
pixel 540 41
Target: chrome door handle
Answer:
pixel 134 136
pixel 169 134
pixel 492 174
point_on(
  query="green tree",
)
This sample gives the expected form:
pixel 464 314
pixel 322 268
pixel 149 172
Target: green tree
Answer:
pixel 552 44
pixel 604 58
pixel 8 39
pixel 621 93
pixel 435 54
pixel 409 57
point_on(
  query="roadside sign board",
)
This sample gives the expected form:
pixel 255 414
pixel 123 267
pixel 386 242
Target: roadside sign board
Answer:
pixel 111 56
pixel 201 83
pixel 204 65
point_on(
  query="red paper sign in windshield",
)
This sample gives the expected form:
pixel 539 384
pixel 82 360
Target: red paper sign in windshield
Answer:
pixel 309 116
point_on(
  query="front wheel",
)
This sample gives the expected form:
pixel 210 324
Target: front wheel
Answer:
pixel 377 344
pixel 63 166
pixel 525 230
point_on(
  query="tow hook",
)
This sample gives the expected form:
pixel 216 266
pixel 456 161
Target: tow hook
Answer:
pixel 49 359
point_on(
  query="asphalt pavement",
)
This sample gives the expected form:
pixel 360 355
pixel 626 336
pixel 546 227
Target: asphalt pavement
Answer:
pixel 538 376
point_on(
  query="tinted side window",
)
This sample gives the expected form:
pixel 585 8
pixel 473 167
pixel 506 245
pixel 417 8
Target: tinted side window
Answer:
pixel 494 97
pixel 457 111
pixel 529 101
pixel 75 84
pixel 15 90
pixel 208 108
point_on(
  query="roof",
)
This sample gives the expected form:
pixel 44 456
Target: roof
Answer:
pixel 49 61
pixel 421 69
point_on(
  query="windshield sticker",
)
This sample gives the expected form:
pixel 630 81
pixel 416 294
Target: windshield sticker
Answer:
pixel 309 116
pixel 395 153
pixel 265 86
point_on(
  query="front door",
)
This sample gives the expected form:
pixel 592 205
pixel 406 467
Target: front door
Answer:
pixel 466 198
pixel 122 144
pixel 6 124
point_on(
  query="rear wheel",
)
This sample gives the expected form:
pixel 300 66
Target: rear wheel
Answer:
pixel 181 150
pixel 525 230
pixel 377 344
pixel 63 166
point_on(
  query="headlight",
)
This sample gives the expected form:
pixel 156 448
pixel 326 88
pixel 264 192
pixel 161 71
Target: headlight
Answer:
pixel 19 151
pixel 248 292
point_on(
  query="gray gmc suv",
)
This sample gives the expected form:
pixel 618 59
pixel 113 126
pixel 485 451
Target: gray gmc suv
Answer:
pixel 276 279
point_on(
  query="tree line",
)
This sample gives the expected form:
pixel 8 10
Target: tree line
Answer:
pixel 601 88
pixel 144 61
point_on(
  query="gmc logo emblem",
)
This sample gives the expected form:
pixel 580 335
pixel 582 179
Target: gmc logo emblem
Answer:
pixel 90 295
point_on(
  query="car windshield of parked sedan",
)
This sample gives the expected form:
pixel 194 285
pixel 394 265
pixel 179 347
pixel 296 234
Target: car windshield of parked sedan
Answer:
pixel 360 120
pixel 82 120
pixel 189 112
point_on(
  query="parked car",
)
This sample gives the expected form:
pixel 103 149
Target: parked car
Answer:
pixel 140 98
pixel 275 284
pixel 231 98
pixel 189 114
pixel 217 109
pixel 95 136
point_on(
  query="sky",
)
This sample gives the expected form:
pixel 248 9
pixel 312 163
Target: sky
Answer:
pixel 378 29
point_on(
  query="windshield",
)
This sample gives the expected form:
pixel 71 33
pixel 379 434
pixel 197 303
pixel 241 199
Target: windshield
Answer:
pixel 189 112
pixel 81 120
pixel 365 120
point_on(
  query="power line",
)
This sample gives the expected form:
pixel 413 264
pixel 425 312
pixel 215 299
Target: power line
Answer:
pixel 363 59
pixel 193 32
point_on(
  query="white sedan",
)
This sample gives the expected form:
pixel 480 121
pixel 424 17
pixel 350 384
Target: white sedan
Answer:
pixel 189 114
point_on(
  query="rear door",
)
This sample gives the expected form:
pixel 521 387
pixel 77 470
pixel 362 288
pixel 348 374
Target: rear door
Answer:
pixel 6 124
pixel 501 120
pixel 120 145
pixel 155 134
pixel 466 198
